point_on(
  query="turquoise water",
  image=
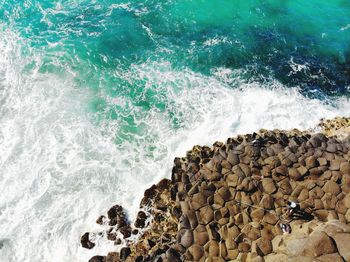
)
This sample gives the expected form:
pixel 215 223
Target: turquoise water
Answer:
pixel 265 39
pixel 97 97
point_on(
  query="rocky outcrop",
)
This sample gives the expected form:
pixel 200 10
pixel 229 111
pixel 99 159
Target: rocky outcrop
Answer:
pixel 267 196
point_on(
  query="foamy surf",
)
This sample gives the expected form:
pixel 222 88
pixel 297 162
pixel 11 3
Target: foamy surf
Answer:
pixel 60 168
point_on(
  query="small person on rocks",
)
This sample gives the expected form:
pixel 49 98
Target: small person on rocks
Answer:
pixel 286 228
pixel 292 209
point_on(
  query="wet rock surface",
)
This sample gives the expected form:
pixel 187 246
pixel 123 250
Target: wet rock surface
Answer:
pixel 267 196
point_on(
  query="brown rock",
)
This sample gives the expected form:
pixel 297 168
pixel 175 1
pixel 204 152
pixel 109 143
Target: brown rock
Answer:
pixel 310 162
pixel 318 204
pixel 330 258
pixel 172 255
pixel 246 185
pixel 321 214
pixel 334 165
pixel 232 158
pixel 318 244
pixel 271 218
pixel 342 241
pixel 316 192
pixel 113 257
pixel 281 170
pixel 243 247
pixel 196 251
pixel 329 201
pixel 232 180
pixel 264 246
pixel 232 254
pixel 346 200
pixel 268 186
pixel 347 216
pixel 224 193
pixel 285 187
pixel 331 187
pixel 322 161
pixel 295 245
pixel 206 215
pixel 303 195
pixel 218 201
pixel 253 234
pixel 213 248
pixel 276 258
pixel 268 232
pixel 345 168
pixel 227 232
pixel 345 184
pixel 200 235
pixel 192 218
pixel 186 238
pixel 257 214
pixel 333 227
pixel 302 170
pixel 198 200
pixel 294 173
pixel 331 148
pixel 267 202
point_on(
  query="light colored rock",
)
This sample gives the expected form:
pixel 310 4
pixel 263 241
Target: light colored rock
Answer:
pixel 264 246
pixel 330 258
pixel 318 244
pixel 269 186
pixel 331 187
pixel 342 241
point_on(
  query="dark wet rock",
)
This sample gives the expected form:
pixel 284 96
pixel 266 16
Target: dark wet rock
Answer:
pixel 97 259
pixel 101 220
pixel 124 253
pixel 113 257
pixel 85 241
pixel 140 221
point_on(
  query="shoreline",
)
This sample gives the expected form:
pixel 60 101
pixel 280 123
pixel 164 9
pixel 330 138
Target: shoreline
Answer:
pixel 229 202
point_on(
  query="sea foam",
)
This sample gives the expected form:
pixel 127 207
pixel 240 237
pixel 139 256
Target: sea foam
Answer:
pixel 59 170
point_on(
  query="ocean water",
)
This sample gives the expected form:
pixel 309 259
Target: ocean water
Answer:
pixel 97 98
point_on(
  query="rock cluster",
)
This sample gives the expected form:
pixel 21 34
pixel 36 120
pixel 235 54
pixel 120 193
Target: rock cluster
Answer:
pixel 339 126
pixel 229 202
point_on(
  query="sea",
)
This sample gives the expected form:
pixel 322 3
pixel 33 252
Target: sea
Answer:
pixel 97 97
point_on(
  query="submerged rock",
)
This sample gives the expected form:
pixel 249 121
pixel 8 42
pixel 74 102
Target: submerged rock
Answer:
pixel 85 241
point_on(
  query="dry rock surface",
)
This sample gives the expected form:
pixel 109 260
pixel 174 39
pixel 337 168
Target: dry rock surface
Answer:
pixel 231 202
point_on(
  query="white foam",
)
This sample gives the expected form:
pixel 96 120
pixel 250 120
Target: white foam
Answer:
pixel 59 171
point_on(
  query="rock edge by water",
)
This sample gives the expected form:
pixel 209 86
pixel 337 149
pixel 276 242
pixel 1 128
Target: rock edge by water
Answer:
pixel 229 202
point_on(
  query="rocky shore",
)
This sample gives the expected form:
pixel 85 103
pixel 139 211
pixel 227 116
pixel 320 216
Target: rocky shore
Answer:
pixel 267 196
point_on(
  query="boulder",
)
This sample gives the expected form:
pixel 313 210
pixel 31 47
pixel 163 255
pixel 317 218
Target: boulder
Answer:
pixel 196 251
pixel 318 244
pixel 264 246
pixel 294 173
pixel 186 238
pixel 124 253
pixel 342 241
pixel 331 187
pixel 200 235
pixel 268 186
pixel 335 257
pixel 97 259
pixel 85 241
pixel 345 168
